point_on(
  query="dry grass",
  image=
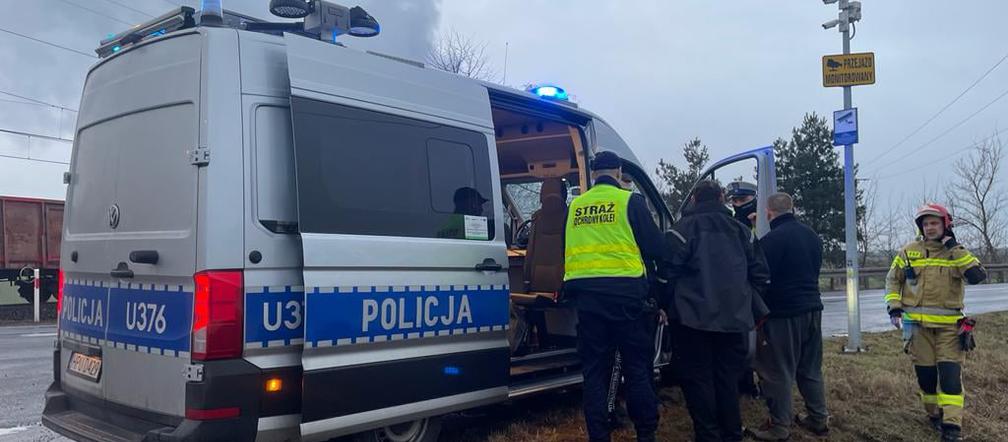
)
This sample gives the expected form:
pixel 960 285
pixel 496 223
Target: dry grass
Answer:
pixel 872 397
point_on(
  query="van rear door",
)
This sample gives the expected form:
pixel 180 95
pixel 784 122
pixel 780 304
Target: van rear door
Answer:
pixel 130 231
pixel 404 265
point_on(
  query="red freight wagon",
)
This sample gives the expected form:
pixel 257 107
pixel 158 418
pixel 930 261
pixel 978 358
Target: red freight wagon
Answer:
pixel 30 233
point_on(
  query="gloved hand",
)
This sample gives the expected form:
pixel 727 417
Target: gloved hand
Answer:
pixel 896 318
pixel 966 341
pixel 662 317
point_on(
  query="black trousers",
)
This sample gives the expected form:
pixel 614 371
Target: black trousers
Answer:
pixel 708 365
pixel 598 337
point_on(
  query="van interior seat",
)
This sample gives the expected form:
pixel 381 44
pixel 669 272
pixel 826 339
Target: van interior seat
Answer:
pixel 544 264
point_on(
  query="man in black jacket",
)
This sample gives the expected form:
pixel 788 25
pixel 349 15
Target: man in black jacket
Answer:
pixel 789 347
pixel 717 272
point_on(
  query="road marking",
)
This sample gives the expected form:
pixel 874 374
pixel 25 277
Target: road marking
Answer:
pixel 39 335
pixel 14 430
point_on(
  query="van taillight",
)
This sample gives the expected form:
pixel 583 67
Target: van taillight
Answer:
pixel 217 315
pixel 59 294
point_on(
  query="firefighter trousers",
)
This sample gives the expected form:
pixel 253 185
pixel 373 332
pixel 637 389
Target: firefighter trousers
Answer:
pixel 937 358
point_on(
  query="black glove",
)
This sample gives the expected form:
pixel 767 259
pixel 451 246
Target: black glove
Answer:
pixel 896 317
pixel 966 341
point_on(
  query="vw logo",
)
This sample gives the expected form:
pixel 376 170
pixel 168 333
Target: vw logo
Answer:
pixel 113 216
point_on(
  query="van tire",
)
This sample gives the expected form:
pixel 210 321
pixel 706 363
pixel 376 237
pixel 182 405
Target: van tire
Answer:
pixel 421 430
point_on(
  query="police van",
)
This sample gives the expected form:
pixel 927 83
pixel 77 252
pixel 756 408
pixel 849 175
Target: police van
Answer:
pixel 271 236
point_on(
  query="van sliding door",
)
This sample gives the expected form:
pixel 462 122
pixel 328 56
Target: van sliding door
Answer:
pixel 405 274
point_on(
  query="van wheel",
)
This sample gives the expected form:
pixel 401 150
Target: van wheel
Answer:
pixel 421 430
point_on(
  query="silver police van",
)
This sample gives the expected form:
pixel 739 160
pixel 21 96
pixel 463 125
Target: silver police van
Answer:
pixel 271 236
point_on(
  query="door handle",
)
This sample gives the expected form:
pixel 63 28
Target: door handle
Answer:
pixel 488 265
pixel 121 271
pixel 144 256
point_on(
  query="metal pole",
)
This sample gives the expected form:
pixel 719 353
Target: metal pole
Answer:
pixel 38 286
pixel 850 227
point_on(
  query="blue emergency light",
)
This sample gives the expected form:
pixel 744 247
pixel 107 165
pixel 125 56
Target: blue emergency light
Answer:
pixel 550 91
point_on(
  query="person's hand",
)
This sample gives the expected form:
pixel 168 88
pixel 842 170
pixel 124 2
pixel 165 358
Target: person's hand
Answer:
pixel 752 217
pixel 662 317
pixel 896 318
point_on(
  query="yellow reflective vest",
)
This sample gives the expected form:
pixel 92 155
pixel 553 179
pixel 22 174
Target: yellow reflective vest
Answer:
pixel 935 297
pixel 599 241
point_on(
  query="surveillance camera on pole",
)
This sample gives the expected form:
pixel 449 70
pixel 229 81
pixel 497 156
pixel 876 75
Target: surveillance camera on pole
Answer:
pixel 850 12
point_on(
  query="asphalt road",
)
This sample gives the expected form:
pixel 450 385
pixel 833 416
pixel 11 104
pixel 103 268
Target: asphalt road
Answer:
pixel 25 373
pixel 26 352
pixel 979 299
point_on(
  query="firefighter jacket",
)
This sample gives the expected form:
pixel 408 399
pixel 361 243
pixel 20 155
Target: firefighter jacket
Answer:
pixel 927 281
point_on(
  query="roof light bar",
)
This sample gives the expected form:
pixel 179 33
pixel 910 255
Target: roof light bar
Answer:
pixel 180 18
pixel 550 92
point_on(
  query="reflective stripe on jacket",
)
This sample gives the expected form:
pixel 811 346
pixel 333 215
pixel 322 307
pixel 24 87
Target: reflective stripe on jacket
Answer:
pixel 934 297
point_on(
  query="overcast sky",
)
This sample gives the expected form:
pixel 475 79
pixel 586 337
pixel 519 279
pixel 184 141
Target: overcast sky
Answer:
pixel 737 74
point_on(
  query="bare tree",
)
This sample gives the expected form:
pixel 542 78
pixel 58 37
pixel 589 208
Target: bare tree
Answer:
pixel 461 54
pixel 872 226
pixel 980 201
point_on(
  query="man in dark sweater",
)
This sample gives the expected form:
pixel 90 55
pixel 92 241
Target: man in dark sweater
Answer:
pixel 789 347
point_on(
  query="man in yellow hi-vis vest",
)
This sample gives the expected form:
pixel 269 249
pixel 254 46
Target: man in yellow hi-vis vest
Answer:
pixel 924 297
pixel 611 245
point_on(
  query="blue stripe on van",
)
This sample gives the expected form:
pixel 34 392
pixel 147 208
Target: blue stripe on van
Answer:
pixel 369 315
pixel 152 317
pixel 148 318
pixel 274 316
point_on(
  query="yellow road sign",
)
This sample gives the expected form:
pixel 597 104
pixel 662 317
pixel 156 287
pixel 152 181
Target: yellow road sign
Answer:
pixel 848 70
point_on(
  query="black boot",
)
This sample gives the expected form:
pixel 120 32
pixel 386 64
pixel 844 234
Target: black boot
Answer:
pixel 936 423
pixel 951 433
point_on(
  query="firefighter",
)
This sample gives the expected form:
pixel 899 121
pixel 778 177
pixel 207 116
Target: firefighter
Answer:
pixel 924 297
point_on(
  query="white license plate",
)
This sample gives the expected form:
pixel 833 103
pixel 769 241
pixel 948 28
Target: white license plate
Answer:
pixel 87 367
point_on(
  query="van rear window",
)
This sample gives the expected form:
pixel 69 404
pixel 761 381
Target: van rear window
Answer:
pixel 369 173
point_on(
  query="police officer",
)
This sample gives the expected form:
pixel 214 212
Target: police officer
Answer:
pixel 742 196
pixel 611 244
pixel 924 297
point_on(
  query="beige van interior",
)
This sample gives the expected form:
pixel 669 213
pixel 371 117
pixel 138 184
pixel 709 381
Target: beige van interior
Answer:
pixel 541 167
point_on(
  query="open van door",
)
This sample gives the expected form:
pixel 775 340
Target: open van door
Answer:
pixel 406 299
pixel 756 166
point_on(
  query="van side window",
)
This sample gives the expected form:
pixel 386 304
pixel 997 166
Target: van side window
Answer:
pixel 363 172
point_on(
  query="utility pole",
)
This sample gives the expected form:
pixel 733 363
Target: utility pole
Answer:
pixel 850 12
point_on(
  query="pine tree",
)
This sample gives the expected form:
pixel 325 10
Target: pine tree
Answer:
pixel 676 183
pixel 809 168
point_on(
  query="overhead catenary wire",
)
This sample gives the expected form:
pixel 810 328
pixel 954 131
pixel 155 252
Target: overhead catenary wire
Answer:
pixel 98 13
pixel 33 159
pixel 963 121
pixel 36 101
pixel 35 135
pixel 940 111
pixel 932 162
pixel 49 43
pixel 131 8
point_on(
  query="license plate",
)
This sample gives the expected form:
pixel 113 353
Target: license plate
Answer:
pixel 87 367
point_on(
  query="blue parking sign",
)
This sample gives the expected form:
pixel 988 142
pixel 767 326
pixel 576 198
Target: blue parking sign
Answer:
pixel 845 127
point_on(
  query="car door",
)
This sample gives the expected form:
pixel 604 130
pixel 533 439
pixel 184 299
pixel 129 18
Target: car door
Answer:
pixel 755 165
pixel 406 299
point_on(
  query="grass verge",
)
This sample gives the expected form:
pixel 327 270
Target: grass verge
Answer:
pixel 872 397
